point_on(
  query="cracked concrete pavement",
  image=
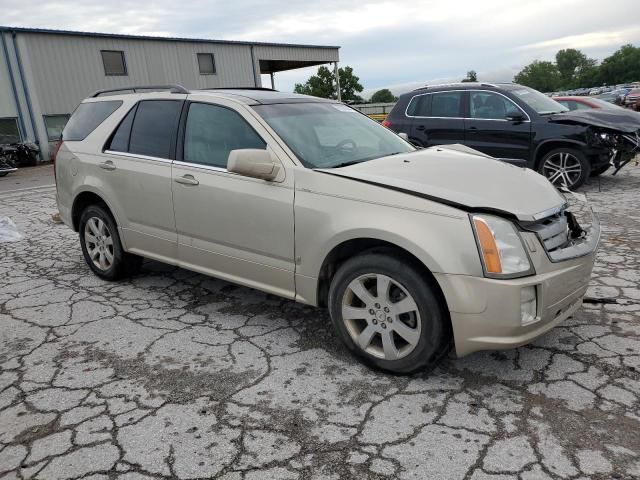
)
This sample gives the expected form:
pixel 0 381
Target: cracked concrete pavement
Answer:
pixel 176 375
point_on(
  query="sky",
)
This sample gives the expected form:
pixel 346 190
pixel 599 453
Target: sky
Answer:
pixel 390 44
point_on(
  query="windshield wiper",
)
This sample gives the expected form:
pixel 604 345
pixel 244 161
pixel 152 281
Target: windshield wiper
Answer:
pixel 346 164
pixel 365 159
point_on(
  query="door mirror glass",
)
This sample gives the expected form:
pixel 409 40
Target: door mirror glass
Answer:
pixel 254 163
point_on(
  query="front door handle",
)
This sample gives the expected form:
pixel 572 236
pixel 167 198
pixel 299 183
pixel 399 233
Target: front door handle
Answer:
pixel 187 180
pixel 108 165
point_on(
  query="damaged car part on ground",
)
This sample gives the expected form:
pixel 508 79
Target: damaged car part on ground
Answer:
pixel 310 200
pixel 521 126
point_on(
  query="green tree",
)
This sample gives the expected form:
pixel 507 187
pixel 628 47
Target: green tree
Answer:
pixel 472 76
pixel 319 85
pixel 322 84
pixel 383 96
pixel 349 85
pixel 575 68
pixel 543 76
pixel 622 66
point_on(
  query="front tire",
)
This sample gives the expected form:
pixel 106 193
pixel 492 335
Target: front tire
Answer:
pixel 565 167
pixel 387 313
pixel 101 246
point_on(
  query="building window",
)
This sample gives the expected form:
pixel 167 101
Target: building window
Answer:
pixel 206 64
pixel 9 132
pixel 114 63
pixel 54 125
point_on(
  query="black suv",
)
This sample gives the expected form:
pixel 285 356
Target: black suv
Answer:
pixel 509 122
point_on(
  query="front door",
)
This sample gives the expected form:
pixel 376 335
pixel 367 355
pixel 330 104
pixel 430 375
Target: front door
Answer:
pixel 490 130
pixel 231 226
pixel 437 118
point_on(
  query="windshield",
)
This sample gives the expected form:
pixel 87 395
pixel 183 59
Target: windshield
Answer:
pixel 542 104
pixel 330 135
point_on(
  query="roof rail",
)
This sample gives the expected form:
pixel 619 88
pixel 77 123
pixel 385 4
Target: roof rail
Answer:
pixel 173 88
pixel 242 88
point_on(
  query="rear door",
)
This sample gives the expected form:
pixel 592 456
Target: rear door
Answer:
pixel 490 131
pixel 137 167
pixel 438 118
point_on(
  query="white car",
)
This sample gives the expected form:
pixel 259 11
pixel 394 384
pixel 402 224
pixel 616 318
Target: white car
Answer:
pixel 410 250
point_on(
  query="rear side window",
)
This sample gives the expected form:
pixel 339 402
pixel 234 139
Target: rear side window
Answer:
pixel 120 140
pixel 154 128
pixel 420 106
pixel 446 104
pixel 87 117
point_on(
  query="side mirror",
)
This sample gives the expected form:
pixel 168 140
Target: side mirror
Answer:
pixel 516 117
pixel 253 163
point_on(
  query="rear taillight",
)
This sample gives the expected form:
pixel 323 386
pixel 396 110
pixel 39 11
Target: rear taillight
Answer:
pixel 386 123
pixel 56 149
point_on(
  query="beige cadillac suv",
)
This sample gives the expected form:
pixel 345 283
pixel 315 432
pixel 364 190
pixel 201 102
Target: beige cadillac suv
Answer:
pixel 411 250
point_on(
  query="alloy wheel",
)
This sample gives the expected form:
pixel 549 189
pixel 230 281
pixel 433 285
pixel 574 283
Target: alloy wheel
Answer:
pixel 99 243
pixel 562 169
pixel 381 316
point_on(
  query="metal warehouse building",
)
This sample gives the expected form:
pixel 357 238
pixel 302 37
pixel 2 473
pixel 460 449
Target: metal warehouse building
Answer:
pixel 44 74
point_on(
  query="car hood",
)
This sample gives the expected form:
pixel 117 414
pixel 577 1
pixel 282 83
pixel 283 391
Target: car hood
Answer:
pixel 463 178
pixel 622 121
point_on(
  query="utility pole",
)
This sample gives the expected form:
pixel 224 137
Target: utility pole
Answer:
pixel 335 70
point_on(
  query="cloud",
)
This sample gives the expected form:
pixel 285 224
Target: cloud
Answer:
pixel 388 43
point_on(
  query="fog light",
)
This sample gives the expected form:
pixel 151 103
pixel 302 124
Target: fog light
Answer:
pixel 528 305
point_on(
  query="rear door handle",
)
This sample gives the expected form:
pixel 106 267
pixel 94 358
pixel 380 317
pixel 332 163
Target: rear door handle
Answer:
pixel 108 165
pixel 420 127
pixel 187 180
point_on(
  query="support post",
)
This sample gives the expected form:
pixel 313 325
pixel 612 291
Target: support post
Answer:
pixel 335 70
pixel 273 81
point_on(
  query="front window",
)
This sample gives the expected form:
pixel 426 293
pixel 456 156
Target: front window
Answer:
pixel 330 135
pixel 539 102
pixel 491 106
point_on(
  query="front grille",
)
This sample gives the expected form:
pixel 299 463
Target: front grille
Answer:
pixel 553 231
pixel 572 232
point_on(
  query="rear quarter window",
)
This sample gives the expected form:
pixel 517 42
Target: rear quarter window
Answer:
pixel 87 117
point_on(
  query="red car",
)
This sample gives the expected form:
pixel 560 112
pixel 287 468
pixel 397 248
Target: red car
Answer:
pixel 633 98
pixel 585 103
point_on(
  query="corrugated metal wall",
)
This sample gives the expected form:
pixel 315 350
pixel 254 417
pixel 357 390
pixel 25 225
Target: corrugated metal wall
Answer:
pixel 68 68
pixel 61 69
pixel 7 102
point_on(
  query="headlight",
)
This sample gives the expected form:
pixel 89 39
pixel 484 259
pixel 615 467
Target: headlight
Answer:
pixel 500 246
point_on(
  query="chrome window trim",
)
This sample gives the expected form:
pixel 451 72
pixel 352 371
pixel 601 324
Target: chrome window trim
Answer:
pixel 406 110
pixel 203 166
pixel 138 156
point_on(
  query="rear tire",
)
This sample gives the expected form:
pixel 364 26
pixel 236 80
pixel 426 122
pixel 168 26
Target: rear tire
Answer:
pixel 101 246
pixel 565 167
pixel 401 329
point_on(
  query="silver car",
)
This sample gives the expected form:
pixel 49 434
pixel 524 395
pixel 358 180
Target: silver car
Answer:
pixel 411 251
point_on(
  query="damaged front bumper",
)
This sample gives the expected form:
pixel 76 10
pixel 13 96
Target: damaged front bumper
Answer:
pixel 488 314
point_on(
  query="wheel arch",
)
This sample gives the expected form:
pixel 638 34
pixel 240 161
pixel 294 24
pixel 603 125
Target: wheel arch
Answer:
pixel 546 146
pixel 356 246
pixel 82 200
